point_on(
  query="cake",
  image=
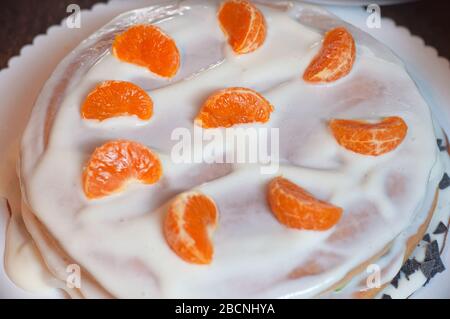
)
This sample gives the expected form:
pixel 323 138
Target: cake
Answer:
pixel 358 179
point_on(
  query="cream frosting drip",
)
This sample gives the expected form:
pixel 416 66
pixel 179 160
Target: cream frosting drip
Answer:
pixel 119 240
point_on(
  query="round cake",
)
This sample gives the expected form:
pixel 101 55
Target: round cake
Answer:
pixel 352 184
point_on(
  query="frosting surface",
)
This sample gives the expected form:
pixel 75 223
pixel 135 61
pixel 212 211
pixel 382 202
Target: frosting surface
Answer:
pixel 119 240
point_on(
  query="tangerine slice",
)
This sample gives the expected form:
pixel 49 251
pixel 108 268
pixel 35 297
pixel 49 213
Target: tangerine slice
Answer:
pixel 189 223
pixel 335 59
pixel 115 163
pixel 232 106
pixel 243 24
pixel 117 98
pixel 150 47
pixel 369 138
pixel 296 208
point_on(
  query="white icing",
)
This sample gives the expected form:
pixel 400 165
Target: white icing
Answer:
pixel 391 262
pixel 119 240
pixel 23 261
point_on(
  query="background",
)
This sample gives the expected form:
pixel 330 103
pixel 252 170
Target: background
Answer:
pixel 22 20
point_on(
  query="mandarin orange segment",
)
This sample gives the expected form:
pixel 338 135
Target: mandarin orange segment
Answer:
pixel 188 226
pixel 117 98
pixel 335 59
pixel 369 138
pixel 294 207
pixel 116 163
pixel 233 106
pixel 243 24
pixel 148 46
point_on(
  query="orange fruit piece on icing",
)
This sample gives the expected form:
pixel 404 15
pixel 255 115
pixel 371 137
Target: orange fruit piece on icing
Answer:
pixel 148 46
pixel 294 207
pixel 232 106
pixel 188 226
pixel 116 163
pixel 117 98
pixel 243 24
pixel 335 59
pixel 369 138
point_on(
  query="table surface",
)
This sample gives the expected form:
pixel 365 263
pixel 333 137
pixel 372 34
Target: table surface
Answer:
pixel 22 20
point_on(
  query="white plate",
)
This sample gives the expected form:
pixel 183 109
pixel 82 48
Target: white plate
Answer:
pixel 21 82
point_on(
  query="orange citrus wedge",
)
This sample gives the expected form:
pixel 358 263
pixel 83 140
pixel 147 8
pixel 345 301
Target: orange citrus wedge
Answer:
pixel 243 24
pixel 148 46
pixel 233 106
pixel 189 223
pixel 335 59
pixel 117 98
pixel 369 138
pixel 115 163
pixel 294 207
